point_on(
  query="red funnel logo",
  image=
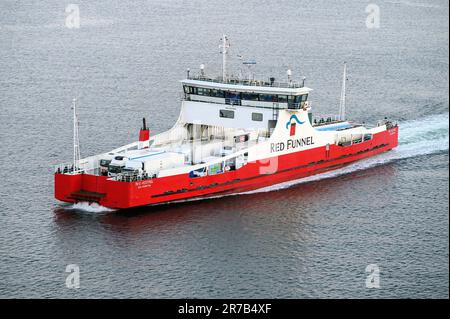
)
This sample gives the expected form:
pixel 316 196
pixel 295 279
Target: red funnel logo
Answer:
pixel 292 124
pixel 292 131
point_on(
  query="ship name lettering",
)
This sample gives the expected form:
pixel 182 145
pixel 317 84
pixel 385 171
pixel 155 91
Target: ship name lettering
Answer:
pixel 291 144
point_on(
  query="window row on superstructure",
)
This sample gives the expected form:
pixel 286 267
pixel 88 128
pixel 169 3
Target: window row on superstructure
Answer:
pixel 194 93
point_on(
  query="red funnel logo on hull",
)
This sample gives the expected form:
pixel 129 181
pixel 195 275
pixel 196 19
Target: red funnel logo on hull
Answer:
pixel 292 124
pixel 292 131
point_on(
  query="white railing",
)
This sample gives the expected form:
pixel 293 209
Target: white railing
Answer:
pixel 238 81
pixel 85 165
pixel 133 177
pixel 68 168
pixel 389 124
pixel 325 119
pixel 91 163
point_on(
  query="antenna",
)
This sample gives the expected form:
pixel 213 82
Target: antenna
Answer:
pixel 342 101
pixel 289 75
pixel 225 45
pixel 76 139
pixel 202 70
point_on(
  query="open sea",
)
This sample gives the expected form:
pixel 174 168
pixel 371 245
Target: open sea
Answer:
pixel 311 238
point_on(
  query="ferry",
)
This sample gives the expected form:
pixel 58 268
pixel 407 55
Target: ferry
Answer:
pixel 234 134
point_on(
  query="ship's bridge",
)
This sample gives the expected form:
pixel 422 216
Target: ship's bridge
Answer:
pixel 261 94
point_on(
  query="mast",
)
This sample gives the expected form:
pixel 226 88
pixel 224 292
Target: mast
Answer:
pixel 76 140
pixel 224 46
pixel 342 101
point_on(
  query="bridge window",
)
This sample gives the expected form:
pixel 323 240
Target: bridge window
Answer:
pixel 203 91
pixel 257 117
pixel 217 93
pixel 266 97
pixel 282 98
pixel 301 98
pixel 233 95
pixel 226 114
pixel 233 98
pixel 250 96
pixel 192 90
pixel 291 103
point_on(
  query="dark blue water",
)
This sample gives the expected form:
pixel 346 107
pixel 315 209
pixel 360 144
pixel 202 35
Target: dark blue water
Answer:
pixel 311 238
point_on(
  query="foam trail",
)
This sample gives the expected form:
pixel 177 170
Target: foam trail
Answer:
pixel 419 137
pixel 89 207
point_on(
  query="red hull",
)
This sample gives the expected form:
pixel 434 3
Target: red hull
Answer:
pixel 115 194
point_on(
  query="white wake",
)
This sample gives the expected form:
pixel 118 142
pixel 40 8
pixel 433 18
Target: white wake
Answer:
pixel 89 207
pixel 419 137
